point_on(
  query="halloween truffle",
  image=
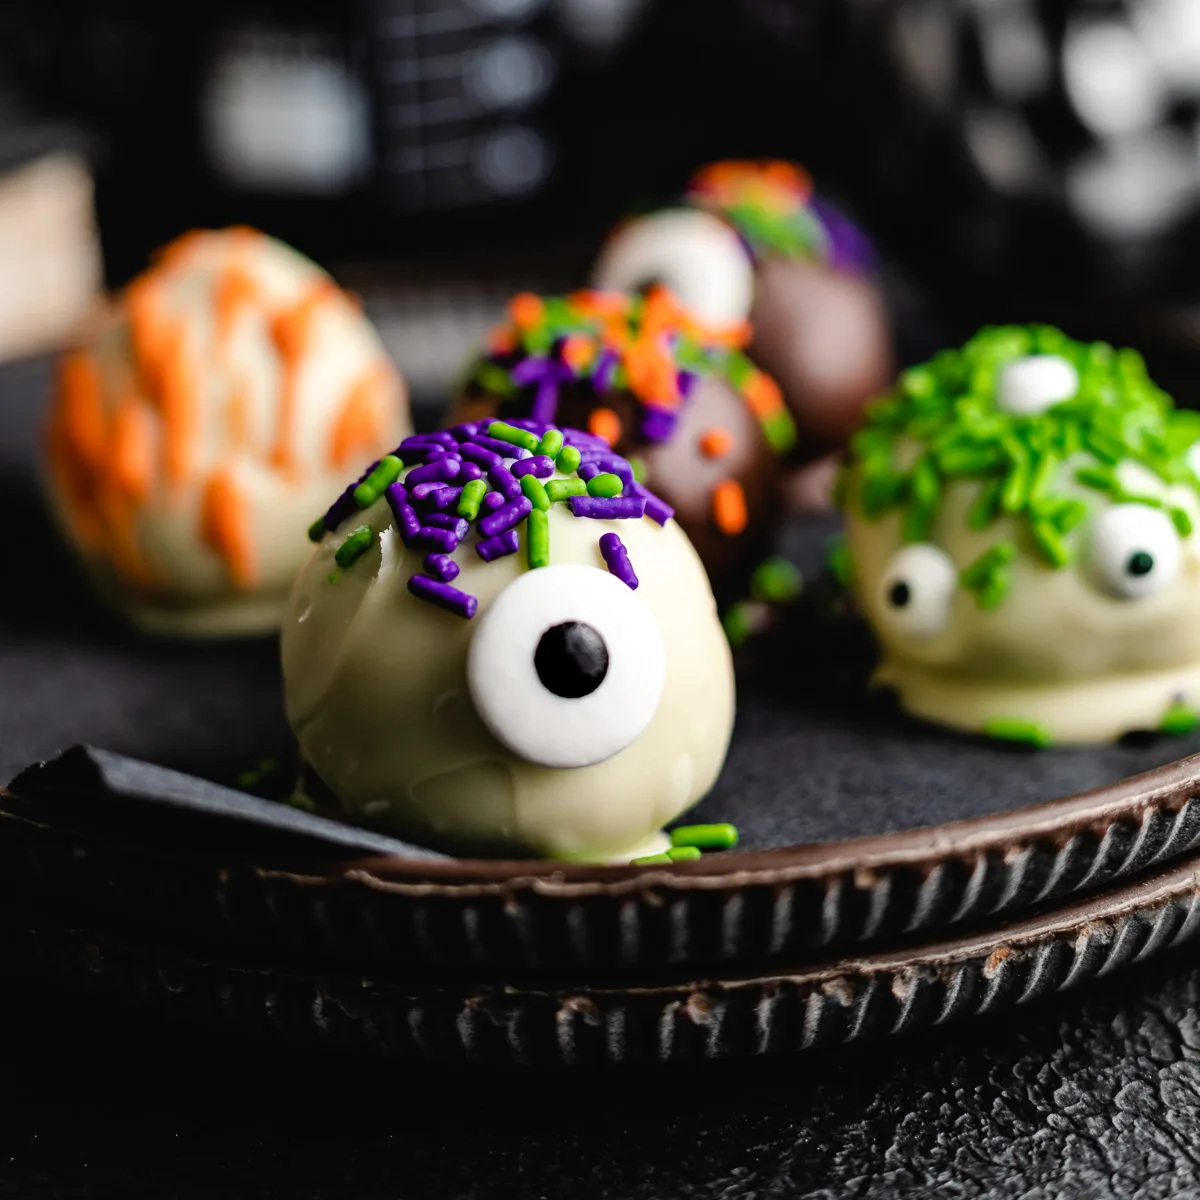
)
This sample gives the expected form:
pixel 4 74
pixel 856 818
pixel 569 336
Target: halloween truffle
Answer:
pixel 702 426
pixel 229 390
pixel 751 242
pixel 496 648
pixel 1021 523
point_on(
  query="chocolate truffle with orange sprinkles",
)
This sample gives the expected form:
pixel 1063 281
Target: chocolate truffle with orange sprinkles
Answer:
pixel 703 428
pixel 230 388
pixel 749 240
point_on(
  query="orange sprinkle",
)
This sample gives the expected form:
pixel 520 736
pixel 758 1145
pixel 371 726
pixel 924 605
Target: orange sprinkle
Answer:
pixel 525 310
pixel 235 289
pixel 291 330
pixel 133 449
pixel 237 416
pixel 652 375
pixel 225 527
pixel 81 403
pixel 120 522
pixel 762 394
pixel 362 424
pixel 578 351
pixel 178 251
pixel 501 341
pixel 177 400
pixel 716 442
pixel 604 423
pixel 729 507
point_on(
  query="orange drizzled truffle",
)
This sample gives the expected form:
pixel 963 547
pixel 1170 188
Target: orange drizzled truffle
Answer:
pixel 232 384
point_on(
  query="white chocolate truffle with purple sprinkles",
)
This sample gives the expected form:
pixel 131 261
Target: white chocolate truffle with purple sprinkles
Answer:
pixel 504 644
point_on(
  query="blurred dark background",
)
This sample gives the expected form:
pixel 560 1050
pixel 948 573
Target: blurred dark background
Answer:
pixel 1029 159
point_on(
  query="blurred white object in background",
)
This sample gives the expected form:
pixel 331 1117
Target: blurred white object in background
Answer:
pixel 280 112
pixel 51 270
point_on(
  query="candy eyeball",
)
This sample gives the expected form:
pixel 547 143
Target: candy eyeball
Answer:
pixel 566 668
pixel 1031 385
pixel 917 589
pixel 696 255
pixel 1135 551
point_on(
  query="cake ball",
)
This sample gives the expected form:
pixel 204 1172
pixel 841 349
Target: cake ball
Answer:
pixel 750 242
pixel 230 388
pixel 1020 520
pixel 701 425
pixel 496 648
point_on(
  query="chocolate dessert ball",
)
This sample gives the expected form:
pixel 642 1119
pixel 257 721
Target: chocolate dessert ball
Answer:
pixel 750 242
pixel 702 425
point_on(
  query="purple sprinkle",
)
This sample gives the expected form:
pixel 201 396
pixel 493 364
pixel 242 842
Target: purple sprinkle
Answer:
pixel 403 513
pixel 440 499
pixel 505 517
pixel 585 441
pixel 657 509
pixel 604 368
pixel 443 567
pixel 613 463
pixel 542 467
pixel 538 427
pixel 424 489
pixel 686 381
pixel 503 480
pixel 504 449
pixel 599 508
pixel 464 432
pixel 459 526
pixel 443 595
pixel 530 370
pixel 658 424
pixel 496 547
pixel 484 458
pixel 421 454
pixel 589 470
pixel 469 471
pixel 441 471
pixel 617 559
pixel 492 501
pixel 429 538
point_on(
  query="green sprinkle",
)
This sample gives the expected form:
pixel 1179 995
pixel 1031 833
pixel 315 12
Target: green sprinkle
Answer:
pixel 354 546
pixel 535 492
pixel 564 489
pixel 1103 479
pixel 551 443
pixel 991 595
pixel 651 860
pixel 301 801
pixel 1053 548
pixel 722 836
pixel 605 484
pixel 780 431
pixel 255 776
pixel 471 498
pixel 776 580
pixel 991 560
pixel 371 488
pixel 1182 522
pixel 1179 719
pixel 568 460
pixel 1029 733
pixel 332 577
pixel 926 487
pixel 684 853
pixel 638 467
pixel 839 560
pixel 502 431
pixel 316 531
pixel 987 506
pixel 537 538
pixel 738 623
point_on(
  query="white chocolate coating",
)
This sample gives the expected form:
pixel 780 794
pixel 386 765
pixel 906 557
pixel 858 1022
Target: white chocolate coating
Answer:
pixel 224 399
pixel 1063 650
pixel 696 255
pixel 377 693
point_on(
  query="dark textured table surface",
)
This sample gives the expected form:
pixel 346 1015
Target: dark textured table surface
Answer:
pixel 1093 1094
pixel 1090 1095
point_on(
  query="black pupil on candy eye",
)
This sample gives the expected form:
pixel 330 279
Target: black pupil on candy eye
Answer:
pixel 1140 563
pixel 899 594
pixel 571 660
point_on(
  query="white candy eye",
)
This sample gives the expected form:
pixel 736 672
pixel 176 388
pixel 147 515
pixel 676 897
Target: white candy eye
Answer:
pixel 693 254
pixel 1034 384
pixel 1134 550
pixel 917 589
pixel 567 666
